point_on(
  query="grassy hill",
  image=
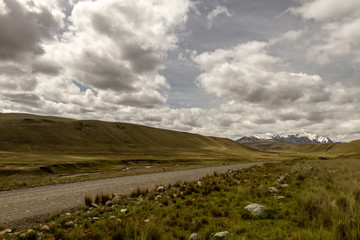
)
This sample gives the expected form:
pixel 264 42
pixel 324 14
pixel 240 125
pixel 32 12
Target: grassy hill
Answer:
pixel 39 150
pixel 329 148
pixel 30 133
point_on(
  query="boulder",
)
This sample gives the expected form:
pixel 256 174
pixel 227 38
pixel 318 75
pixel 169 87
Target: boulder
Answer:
pixel 221 234
pixel 160 189
pixel 115 200
pixel 194 236
pixel 45 228
pixel 255 209
pixel 5 231
pixel 69 224
pixel 281 180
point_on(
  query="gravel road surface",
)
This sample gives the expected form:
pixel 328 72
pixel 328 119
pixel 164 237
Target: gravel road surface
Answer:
pixel 24 207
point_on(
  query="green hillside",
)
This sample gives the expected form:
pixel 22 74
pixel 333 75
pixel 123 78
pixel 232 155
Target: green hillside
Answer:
pixel 329 148
pixel 40 149
pixel 30 133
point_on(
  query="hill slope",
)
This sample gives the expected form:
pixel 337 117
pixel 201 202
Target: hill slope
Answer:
pixel 30 133
pixel 333 148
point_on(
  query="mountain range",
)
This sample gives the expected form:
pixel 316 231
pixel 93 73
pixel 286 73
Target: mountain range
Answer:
pixel 293 138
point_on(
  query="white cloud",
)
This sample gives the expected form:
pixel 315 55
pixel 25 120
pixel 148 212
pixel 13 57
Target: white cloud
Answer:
pixel 336 32
pixel 245 73
pixel 322 10
pixel 113 50
pixel 259 98
pixel 218 10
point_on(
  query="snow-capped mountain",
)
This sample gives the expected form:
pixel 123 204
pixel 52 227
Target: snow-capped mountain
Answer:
pixel 253 138
pixel 294 138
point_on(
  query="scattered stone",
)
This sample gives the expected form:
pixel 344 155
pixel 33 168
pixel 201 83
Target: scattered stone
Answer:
pixel 3 232
pixel 40 236
pixel 199 183
pixel 95 218
pixel 94 205
pixel 221 234
pixel 115 200
pixel 280 197
pixel 272 189
pixel 284 185
pixel 69 224
pixel 67 214
pixel 45 228
pixel 311 168
pixel 260 187
pixel 30 230
pixel 281 180
pixel 108 203
pixel 160 189
pixel 124 210
pixel 194 236
pixel 255 209
pixel 333 204
pixel 112 217
pixel 147 220
pixel 158 196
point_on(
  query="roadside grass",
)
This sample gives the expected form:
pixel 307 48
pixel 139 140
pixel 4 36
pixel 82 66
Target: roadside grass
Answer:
pixel 19 170
pixel 320 201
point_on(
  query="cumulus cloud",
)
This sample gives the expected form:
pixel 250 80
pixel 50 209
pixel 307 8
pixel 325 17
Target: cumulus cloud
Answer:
pixel 245 73
pixel 246 77
pixel 103 60
pixel 25 26
pixel 218 10
pixel 86 56
pixel 337 35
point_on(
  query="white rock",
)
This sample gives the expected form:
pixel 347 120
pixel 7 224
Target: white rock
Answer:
pixel 333 204
pixel 3 232
pixel 280 197
pixel 255 209
pixel 199 183
pixel 272 189
pixel 124 210
pixel 194 236
pixel 221 234
pixel 160 189
pixel 147 220
pixel 45 228
pixel 281 180
pixel 284 185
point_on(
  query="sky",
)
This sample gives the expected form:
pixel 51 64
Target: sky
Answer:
pixel 227 68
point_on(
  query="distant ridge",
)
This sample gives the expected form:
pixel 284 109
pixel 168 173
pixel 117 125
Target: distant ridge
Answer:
pixel 294 138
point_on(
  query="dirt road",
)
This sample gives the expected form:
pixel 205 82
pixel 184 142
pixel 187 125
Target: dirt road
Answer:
pixel 23 207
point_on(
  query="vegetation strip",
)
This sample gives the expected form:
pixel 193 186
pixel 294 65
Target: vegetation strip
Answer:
pixel 15 205
pixel 317 199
